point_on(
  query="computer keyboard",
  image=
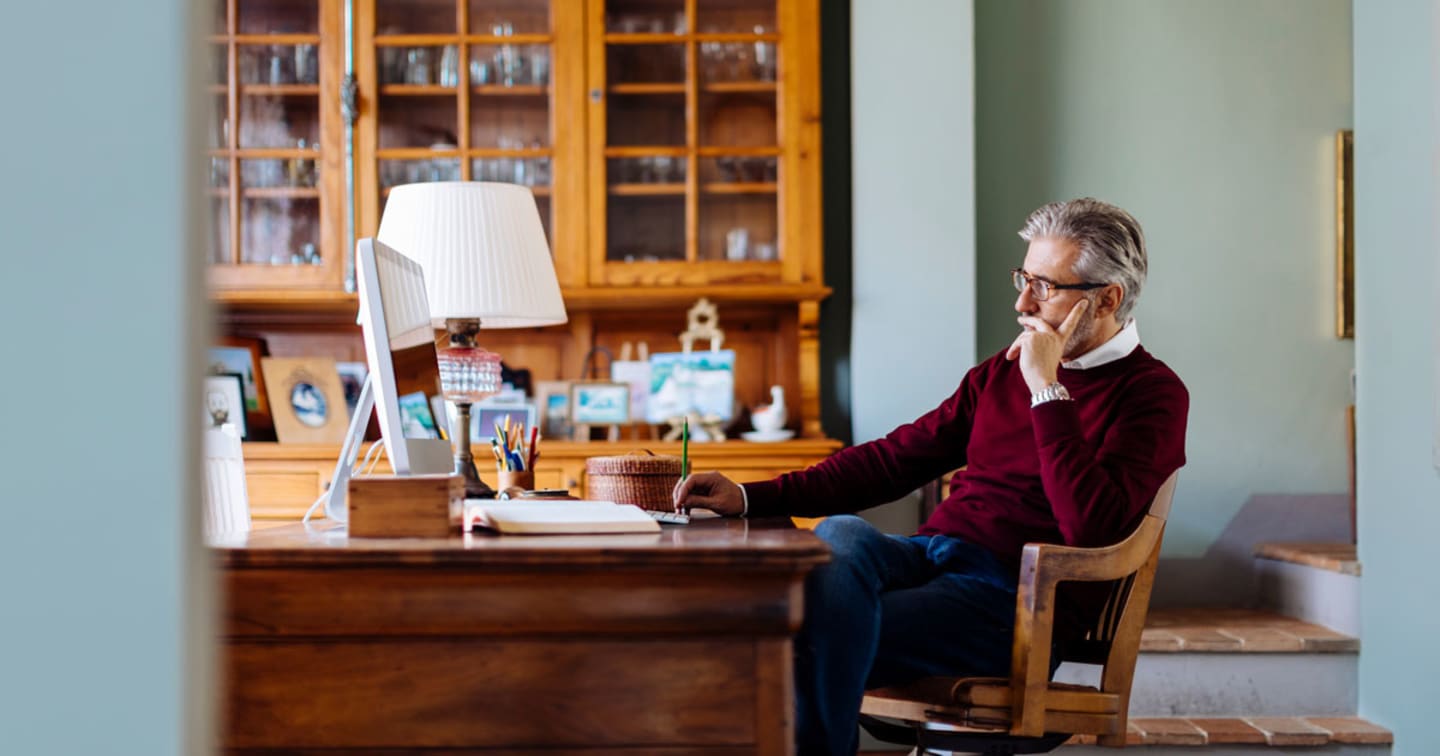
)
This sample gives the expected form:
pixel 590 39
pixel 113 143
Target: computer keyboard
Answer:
pixel 673 518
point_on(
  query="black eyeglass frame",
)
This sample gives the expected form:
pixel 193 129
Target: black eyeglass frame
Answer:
pixel 1023 280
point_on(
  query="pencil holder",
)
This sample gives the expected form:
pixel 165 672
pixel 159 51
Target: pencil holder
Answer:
pixel 521 479
pixel 642 478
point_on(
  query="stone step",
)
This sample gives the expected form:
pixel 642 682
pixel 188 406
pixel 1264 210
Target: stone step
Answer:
pixel 1237 736
pixel 1317 582
pixel 1243 736
pixel 1222 662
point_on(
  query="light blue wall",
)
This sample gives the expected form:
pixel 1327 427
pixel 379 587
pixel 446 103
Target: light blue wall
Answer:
pixel 100 299
pixel 1213 122
pixel 1397 276
pixel 913 112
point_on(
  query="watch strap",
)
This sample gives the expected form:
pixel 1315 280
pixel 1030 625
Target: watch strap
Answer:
pixel 1054 392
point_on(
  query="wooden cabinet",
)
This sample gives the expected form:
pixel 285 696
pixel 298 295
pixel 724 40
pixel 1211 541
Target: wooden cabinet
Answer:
pixel 283 481
pixel 672 147
pixel 276 168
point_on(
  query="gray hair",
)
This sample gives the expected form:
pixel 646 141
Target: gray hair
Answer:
pixel 1112 245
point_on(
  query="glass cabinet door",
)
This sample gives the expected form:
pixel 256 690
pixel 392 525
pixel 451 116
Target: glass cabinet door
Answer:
pixel 466 90
pixel 686 91
pixel 274 197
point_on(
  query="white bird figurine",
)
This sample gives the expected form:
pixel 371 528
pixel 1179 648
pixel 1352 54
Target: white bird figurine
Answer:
pixel 769 418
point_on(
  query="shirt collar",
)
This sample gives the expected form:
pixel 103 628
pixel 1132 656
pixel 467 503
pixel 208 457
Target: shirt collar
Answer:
pixel 1120 345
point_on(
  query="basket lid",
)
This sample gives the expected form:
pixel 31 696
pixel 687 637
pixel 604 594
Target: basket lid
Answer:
pixel 644 462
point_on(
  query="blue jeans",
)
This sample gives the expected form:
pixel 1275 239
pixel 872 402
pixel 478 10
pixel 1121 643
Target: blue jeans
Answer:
pixel 887 610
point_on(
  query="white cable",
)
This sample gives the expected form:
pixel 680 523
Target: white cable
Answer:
pixel 370 458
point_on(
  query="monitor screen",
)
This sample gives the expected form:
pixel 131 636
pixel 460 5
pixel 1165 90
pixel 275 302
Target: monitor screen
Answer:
pixel 400 350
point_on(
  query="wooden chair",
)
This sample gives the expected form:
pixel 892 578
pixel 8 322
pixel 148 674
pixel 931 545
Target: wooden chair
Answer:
pixel 1026 713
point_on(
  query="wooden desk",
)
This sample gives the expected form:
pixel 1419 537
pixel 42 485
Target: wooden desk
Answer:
pixel 677 643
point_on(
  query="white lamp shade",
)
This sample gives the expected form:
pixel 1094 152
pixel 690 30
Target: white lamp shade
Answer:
pixel 483 250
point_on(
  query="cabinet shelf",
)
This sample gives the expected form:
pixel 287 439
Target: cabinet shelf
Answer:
pixel 272 192
pixel 416 90
pixel 265 39
pixel 440 40
pixel 280 90
pixel 538 191
pixel 646 190
pixel 517 90
pixel 270 90
pixel 721 87
pixel 660 88
pixel 740 188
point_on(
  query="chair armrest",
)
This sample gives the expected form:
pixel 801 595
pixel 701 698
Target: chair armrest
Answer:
pixel 1044 566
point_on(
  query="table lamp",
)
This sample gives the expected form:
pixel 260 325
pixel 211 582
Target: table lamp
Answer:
pixel 487 265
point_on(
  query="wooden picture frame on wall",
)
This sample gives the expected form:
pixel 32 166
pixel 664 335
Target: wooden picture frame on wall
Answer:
pixel 1345 234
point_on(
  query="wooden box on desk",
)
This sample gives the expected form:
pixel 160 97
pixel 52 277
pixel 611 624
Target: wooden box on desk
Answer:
pixel 405 505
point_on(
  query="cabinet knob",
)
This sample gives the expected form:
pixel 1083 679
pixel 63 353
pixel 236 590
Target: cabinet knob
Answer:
pixel 595 95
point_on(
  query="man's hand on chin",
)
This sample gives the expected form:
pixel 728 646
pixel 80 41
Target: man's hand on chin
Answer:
pixel 1040 346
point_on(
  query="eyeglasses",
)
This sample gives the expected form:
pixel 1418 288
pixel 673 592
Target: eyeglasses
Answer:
pixel 1042 289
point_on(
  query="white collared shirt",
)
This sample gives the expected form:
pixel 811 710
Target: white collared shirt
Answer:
pixel 1120 345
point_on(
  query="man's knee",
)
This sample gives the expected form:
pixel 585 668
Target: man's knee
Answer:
pixel 847 534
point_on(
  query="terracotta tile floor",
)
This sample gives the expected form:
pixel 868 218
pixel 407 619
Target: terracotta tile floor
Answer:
pixel 1336 557
pixel 1237 630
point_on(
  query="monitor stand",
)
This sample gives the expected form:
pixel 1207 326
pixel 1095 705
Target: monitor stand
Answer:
pixel 425 455
pixel 335 509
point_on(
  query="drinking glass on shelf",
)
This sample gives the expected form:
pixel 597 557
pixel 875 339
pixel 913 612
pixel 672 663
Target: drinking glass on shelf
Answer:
pixel 281 66
pixel 539 58
pixel 480 71
pixel 307 64
pixel 737 244
pixel 764 57
pixel 417 66
pixel 450 67
pixel 765 251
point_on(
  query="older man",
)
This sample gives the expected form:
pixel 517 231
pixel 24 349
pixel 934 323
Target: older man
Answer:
pixel 1065 438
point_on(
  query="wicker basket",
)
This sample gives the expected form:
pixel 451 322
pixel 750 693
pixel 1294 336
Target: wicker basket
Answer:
pixel 642 478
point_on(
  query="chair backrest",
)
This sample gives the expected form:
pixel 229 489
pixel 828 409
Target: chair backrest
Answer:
pixel 227 506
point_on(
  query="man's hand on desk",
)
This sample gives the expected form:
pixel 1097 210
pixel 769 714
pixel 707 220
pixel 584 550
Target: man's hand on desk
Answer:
pixel 712 491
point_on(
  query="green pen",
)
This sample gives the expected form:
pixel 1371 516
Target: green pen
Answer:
pixel 685 448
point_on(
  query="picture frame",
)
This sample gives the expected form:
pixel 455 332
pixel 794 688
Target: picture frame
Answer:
pixel 242 354
pixel 416 417
pixel 306 400
pixel 352 380
pixel 552 399
pixel 484 418
pixel 224 398
pixel 682 383
pixel 599 403
pixel 1345 234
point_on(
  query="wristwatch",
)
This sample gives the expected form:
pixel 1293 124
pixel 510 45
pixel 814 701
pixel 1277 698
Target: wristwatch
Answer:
pixel 1049 394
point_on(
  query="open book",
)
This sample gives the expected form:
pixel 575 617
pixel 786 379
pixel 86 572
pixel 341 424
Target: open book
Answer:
pixel 537 517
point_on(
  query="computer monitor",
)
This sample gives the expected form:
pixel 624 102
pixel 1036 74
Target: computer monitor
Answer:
pixel 400 352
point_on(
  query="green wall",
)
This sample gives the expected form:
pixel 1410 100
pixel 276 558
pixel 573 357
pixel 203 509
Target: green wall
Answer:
pixel 103 596
pixel 1213 122
pixel 1397 275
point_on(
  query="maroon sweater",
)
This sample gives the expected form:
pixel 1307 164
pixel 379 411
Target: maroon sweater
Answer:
pixel 1080 473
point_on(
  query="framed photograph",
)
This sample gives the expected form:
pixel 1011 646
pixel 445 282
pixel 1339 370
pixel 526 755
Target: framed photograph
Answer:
pixel 307 399
pixel 239 354
pixel 225 401
pixel 1345 234
pixel 685 382
pixel 352 380
pixel 440 410
pixel 599 403
pixel 416 419
pixel 483 421
pixel 553 400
